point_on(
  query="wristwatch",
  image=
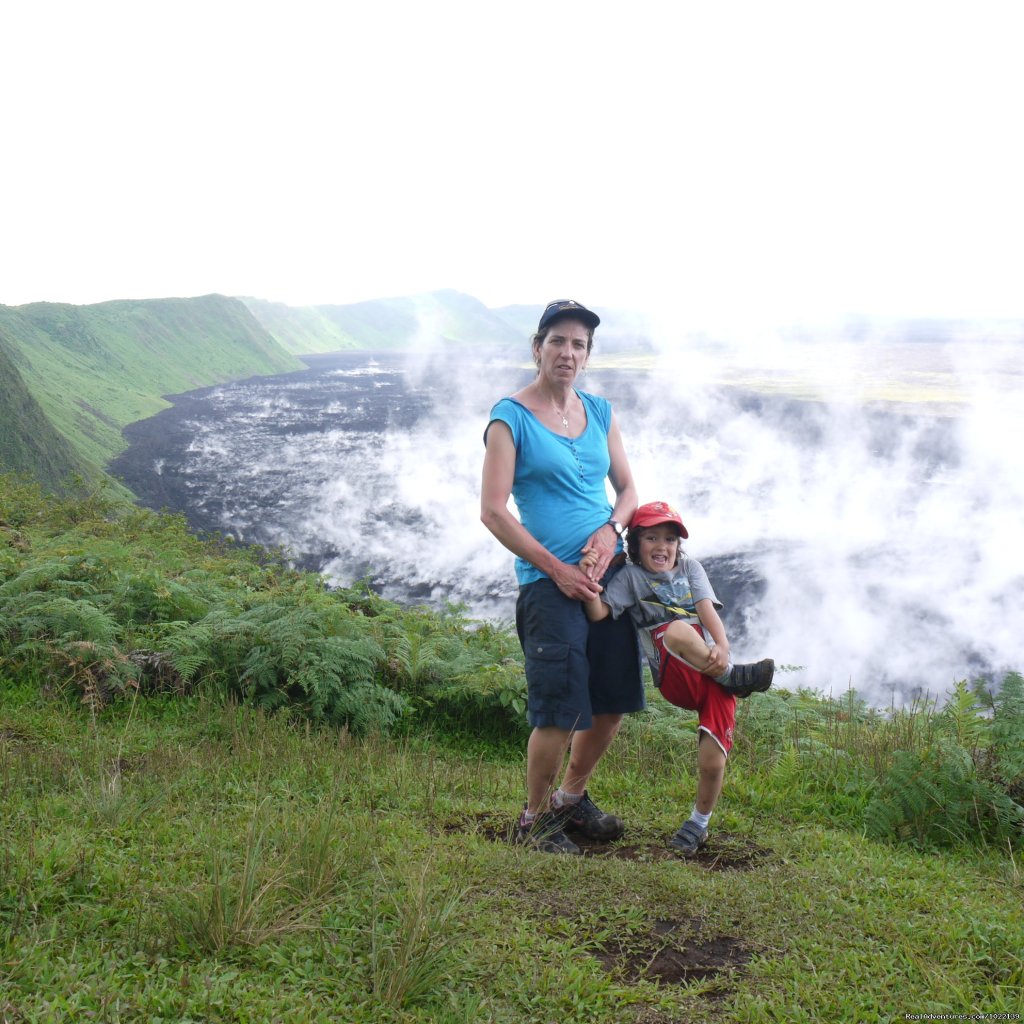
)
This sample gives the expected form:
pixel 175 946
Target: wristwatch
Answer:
pixel 616 526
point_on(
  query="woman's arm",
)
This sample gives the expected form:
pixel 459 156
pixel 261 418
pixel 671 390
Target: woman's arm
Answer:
pixel 495 490
pixel 712 622
pixel 603 540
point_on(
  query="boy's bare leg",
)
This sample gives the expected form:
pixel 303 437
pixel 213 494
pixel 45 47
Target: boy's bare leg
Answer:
pixel 686 643
pixel 710 773
pixel 588 747
pixel 545 752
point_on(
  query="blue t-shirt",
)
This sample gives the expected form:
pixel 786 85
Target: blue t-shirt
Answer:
pixel 559 484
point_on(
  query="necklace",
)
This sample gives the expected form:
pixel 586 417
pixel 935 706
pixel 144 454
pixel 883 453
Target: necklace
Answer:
pixel 564 413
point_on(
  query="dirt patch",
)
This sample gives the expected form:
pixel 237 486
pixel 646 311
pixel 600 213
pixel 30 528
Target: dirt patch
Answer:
pixel 724 850
pixel 672 953
pixel 666 951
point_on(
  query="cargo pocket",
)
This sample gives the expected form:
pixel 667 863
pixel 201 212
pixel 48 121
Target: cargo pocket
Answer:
pixel 547 675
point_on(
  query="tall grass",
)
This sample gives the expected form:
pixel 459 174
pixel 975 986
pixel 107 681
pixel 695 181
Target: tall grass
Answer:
pixel 412 941
pixel 301 873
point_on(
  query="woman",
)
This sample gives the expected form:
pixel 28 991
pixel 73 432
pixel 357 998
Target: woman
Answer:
pixel 552 448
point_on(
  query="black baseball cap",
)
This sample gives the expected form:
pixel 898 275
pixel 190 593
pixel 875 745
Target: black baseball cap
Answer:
pixel 567 307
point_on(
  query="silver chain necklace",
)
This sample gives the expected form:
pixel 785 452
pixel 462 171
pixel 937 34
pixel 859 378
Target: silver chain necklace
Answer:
pixel 564 413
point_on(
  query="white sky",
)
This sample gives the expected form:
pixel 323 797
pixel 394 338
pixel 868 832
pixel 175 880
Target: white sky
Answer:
pixel 716 160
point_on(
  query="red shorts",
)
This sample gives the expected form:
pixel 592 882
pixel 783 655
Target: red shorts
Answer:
pixel 684 686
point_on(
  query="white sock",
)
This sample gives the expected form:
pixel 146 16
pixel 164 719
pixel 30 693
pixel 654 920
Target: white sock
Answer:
pixel 700 819
pixel 724 677
pixel 562 799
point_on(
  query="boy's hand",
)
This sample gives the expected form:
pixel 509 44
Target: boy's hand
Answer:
pixel 718 660
pixel 601 547
pixel 588 561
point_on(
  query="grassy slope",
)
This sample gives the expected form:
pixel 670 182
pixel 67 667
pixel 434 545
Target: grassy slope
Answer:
pixel 94 369
pixel 29 443
pixel 414 322
pixel 194 861
pixel 185 858
pixel 91 370
pixel 422 320
pixel 300 329
pixel 523 319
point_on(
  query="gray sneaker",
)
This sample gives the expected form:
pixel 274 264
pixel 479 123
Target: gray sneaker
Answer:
pixel 545 834
pixel 689 839
pixel 587 818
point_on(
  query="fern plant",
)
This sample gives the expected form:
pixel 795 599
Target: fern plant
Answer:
pixel 280 652
pixel 1007 731
pixel 963 717
pixel 938 799
pixel 68 640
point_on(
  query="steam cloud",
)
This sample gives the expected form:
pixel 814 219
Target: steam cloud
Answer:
pixel 882 511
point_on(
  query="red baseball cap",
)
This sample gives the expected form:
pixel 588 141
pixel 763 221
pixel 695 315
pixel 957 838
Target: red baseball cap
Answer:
pixel 654 513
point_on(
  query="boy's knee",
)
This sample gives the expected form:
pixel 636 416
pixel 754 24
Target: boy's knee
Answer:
pixel 685 642
pixel 679 631
pixel 710 755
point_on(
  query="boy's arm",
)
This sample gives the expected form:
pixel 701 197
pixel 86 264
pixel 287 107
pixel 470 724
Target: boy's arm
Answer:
pixel 712 622
pixel 595 608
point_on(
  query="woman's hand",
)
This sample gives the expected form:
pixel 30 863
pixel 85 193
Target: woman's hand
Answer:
pixel 599 551
pixel 575 583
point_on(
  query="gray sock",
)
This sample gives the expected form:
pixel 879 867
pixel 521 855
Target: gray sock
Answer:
pixel 724 677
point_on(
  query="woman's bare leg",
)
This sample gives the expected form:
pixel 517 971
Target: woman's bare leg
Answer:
pixel 588 747
pixel 545 753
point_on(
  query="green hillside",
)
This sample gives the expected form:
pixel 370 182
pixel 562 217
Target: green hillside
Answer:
pixel 75 376
pixel 522 319
pixel 29 443
pixel 421 320
pixel 94 369
pixel 300 329
pixel 403 322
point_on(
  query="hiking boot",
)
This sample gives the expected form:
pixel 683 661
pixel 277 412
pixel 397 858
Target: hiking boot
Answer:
pixel 586 817
pixel 689 839
pixel 545 834
pixel 747 679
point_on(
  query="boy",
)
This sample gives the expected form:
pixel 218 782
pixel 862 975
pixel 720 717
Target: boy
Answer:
pixel 670 600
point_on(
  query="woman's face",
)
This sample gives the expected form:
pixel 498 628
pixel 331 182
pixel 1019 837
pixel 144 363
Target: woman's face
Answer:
pixel 563 352
pixel 659 547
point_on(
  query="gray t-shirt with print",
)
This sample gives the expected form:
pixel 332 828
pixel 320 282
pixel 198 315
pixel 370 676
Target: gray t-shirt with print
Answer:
pixel 654 598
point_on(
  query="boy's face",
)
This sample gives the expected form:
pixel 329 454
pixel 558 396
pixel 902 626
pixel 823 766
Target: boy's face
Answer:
pixel 659 547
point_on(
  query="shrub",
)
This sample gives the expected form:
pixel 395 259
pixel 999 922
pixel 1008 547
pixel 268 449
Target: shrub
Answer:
pixel 938 799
